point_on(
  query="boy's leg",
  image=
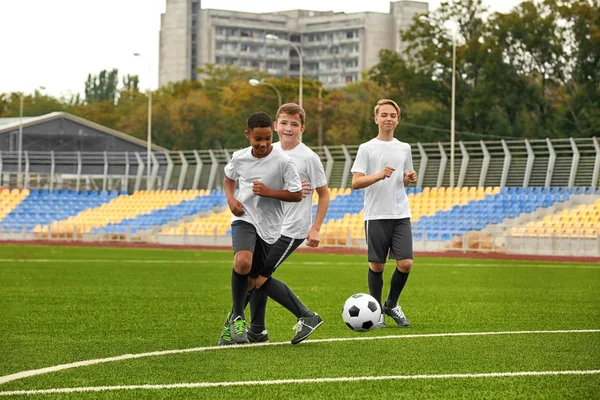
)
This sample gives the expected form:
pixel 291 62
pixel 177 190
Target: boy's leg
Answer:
pixel 278 253
pixel 402 251
pixel 378 234
pixel 308 321
pixel 244 240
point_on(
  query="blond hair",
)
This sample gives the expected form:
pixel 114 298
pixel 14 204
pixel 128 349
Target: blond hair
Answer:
pixel 387 101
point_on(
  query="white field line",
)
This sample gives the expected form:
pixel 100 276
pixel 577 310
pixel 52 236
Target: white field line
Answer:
pixel 85 363
pixel 522 264
pixel 297 381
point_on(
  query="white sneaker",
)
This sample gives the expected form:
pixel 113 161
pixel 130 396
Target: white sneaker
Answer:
pixel 381 323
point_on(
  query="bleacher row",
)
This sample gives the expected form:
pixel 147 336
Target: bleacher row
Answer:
pixel 438 213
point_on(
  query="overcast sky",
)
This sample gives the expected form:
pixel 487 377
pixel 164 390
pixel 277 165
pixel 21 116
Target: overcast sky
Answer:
pixel 56 43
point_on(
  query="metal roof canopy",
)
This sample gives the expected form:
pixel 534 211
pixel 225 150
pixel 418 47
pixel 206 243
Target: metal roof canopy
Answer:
pixel 8 125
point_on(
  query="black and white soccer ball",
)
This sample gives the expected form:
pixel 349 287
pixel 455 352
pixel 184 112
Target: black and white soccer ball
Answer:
pixel 361 312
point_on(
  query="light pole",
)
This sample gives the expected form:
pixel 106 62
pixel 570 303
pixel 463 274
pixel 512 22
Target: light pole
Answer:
pixel 274 37
pixel 20 143
pixel 453 32
pixel 149 138
pixel 256 82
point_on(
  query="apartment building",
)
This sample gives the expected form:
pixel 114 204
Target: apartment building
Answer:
pixel 336 47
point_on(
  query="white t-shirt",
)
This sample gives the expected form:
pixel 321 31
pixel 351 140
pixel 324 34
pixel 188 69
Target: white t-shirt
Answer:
pixel 385 199
pixel 277 171
pixel 298 216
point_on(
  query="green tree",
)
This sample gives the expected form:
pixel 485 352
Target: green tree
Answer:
pixel 102 87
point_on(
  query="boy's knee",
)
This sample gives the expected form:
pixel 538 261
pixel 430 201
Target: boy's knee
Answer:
pixel 376 267
pixel 243 263
pixel 404 265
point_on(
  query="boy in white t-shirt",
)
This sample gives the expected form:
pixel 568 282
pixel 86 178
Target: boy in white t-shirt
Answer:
pixel 267 178
pixel 383 168
pixel 298 224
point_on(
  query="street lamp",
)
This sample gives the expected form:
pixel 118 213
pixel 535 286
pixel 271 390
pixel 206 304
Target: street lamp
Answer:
pixel 269 36
pixel 256 82
pixel 20 143
pixel 149 138
pixel 453 32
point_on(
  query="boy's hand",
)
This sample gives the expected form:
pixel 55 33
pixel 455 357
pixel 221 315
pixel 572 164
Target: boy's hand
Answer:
pixel 313 239
pixel 411 176
pixel 260 189
pixel 386 172
pixel 306 189
pixel 236 207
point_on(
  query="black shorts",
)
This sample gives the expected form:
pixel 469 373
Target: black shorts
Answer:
pixel 245 237
pixel 279 252
pixel 391 237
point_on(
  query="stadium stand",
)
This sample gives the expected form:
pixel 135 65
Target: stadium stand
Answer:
pixel 117 215
pixel 10 199
pixel 42 207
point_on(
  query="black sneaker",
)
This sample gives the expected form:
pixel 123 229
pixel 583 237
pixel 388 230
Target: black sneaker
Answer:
pixel 260 337
pixel 305 326
pixel 397 314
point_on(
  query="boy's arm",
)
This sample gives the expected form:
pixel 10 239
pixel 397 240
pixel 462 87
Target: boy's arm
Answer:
pixel 360 180
pixel 313 239
pixel 234 204
pixel 260 189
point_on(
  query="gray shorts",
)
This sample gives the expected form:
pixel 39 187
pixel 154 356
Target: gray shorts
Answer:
pixel 280 251
pixel 391 237
pixel 245 237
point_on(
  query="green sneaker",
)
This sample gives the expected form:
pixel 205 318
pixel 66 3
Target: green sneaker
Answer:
pixel 225 339
pixel 237 329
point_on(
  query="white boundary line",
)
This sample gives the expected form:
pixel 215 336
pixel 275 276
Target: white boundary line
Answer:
pixel 296 381
pixel 495 264
pixel 61 367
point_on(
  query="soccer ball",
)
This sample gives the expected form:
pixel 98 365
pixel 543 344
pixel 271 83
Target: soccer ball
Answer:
pixel 361 312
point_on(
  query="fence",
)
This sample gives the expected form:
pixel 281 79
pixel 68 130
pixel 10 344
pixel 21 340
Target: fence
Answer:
pixel 541 162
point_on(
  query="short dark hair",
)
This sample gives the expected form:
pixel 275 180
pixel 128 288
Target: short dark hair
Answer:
pixel 259 119
pixel 292 109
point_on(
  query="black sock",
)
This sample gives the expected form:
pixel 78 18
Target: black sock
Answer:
pixel 375 284
pixel 398 282
pixel 249 294
pixel 239 291
pixel 281 293
pixel 258 310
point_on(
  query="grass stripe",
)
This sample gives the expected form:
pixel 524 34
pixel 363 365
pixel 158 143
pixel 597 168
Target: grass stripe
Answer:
pixel 297 381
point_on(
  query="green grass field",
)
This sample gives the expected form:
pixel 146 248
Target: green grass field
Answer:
pixel 62 305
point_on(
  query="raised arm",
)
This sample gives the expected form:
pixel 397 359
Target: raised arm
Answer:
pixel 260 189
pixel 360 180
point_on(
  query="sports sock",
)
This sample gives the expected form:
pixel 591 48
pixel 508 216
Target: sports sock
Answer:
pixel 281 293
pixel 239 290
pixel 375 284
pixel 398 281
pixel 258 310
